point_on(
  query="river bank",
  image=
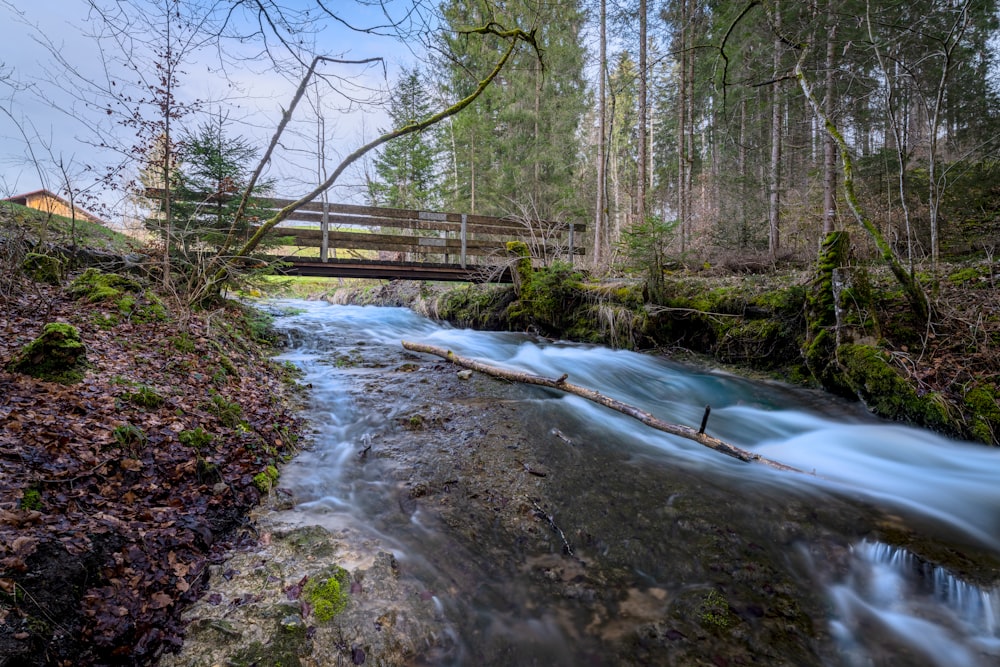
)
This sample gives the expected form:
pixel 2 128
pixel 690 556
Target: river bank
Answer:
pixel 130 468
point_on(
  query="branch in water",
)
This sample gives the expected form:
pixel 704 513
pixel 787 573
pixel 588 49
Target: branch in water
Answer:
pixel 560 383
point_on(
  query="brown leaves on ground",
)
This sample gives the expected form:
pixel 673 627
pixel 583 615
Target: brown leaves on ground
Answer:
pixel 108 516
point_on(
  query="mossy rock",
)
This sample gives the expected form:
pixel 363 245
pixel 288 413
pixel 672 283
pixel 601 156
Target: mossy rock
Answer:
pixel 983 404
pixel 328 593
pixel 58 355
pixel 44 268
pixel 95 286
pixel 886 392
pixel 519 252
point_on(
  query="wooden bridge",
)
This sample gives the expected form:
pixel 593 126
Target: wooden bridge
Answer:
pixel 344 240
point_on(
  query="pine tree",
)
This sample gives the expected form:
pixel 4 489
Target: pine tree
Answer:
pixel 210 171
pixel 517 149
pixel 405 170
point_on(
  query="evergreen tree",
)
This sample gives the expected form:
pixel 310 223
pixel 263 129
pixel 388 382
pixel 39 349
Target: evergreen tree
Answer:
pixel 211 170
pixel 517 149
pixel 405 169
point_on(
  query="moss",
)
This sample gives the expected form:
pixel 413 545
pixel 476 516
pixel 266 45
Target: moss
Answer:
pixel 551 295
pixel 970 274
pixel 265 480
pixel 262 482
pixel 752 342
pixel 984 412
pixel 518 251
pixel 44 268
pixel 57 355
pixel 328 593
pixel 477 306
pixel 183 343
pixel 229 412
pixel 152 311
pixel 144 396
pixel 821 313
pixel 95 286
pixel 197 438
pixel 31 500
pixel 789 300
pixel 714 612
pixel 887 393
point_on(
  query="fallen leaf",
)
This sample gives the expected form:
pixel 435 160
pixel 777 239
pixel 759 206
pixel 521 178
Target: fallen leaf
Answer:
pixel 132 465
pixel 160 600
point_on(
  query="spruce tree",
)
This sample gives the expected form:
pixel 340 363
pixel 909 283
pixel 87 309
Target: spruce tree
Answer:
pixel 517 150
pixel 405 169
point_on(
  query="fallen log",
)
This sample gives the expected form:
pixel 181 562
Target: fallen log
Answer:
pixel 561 384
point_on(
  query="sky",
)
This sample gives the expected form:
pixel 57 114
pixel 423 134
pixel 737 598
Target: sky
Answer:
pixel 43 124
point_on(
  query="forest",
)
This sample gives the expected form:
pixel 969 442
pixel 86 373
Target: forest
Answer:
pixel 700 130
pixel 801 191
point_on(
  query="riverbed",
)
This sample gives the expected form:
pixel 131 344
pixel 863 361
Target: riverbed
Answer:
pixel 490 523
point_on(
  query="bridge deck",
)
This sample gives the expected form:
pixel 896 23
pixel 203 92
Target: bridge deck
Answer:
pixel 362 268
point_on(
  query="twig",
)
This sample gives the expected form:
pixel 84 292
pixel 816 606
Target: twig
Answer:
pixel 542 514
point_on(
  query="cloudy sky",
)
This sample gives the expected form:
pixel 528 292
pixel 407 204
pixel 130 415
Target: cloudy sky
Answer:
pixel 50 58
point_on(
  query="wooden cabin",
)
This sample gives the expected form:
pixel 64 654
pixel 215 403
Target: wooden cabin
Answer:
pixel 49 202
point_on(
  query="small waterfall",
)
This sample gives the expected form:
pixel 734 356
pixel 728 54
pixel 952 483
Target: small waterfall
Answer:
pixel 893 604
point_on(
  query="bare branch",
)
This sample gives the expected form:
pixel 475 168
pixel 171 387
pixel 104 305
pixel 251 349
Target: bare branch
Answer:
pixel 515 37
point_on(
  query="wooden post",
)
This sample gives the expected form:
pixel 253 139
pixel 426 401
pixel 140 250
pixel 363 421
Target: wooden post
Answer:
pixel 324 226
pixel 465 220
pixel 572 229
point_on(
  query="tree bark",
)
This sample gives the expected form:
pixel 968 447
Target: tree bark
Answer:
pixel 774 202
pixel 562 385
pixel 829 147
pixel 600 216
pixel 640 209
pixel 682 216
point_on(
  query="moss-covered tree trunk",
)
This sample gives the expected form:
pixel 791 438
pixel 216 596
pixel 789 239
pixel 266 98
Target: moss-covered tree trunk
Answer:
pixel 821 313
pixel 911 287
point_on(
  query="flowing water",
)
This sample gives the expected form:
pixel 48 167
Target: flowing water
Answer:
pixel 636 490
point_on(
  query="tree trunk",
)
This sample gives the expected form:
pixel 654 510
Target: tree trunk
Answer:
pixel 682 127
pixel 600 215
pixel 829 148
pixel 774 180
pixel 640 209
pixel 697 435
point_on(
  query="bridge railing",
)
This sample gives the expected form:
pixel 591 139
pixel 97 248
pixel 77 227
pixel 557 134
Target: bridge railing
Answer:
pixel 348 231
pixel 457 237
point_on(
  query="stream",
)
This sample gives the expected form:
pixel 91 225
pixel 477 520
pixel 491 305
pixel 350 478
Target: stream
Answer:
pixel 588 538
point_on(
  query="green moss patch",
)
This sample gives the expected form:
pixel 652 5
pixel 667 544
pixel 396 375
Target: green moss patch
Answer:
pixel 58 355
pixel 887 393
pixel 95 286
pixel 983 403
pixel 328 593
pixel 43 268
